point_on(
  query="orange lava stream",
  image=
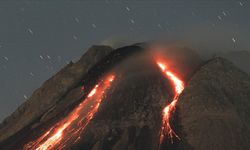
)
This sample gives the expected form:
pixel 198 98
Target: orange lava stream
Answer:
pixel 68 130
pixel 170 108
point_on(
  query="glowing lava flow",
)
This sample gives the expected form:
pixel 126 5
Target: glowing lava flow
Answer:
pixel 168 110
pixel 68 130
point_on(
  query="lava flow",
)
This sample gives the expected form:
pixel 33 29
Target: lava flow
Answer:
pixel 170 108
pixel 68 130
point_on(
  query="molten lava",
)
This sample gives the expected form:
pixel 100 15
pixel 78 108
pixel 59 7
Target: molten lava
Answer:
pixel 68 130
pixel 170 108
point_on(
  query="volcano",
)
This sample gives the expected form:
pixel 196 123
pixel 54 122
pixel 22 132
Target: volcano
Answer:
pixel 138 97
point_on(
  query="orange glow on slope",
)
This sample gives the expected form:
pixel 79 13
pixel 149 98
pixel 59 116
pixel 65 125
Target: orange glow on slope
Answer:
pixel 68 130
pixel 170 108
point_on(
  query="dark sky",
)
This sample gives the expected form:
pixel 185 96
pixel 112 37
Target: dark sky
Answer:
pixel 39 38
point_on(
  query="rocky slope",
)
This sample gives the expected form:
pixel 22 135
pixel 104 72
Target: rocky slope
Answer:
pixel 215 106
pixel 52 91
pixel 212 112
pixel 59 95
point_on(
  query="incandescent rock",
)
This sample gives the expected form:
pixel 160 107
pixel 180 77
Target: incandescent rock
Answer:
pixel 212 111
pixel 48 109
pixel 52 91
pixel 131 112
pixel 130 116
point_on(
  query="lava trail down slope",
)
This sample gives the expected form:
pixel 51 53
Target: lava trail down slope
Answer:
pixel 169 109
pixel 138 97
pixel 68 130
pixel 136 110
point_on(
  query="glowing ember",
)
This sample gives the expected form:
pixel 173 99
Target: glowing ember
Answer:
pixel 168 110
pixel 68 130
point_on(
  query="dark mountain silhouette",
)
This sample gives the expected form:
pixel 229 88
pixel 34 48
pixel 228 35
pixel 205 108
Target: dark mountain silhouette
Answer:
pixel 240 58
pixel 215 106
pixel 212 112
pixel 54 89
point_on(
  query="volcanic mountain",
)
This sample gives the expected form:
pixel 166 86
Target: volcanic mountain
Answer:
pixel 138 97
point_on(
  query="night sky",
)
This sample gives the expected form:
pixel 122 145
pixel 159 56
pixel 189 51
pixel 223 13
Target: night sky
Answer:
pixel 39 38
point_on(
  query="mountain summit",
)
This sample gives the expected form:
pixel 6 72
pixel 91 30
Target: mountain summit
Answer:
pixel 138 97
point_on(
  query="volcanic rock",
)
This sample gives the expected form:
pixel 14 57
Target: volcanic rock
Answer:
pixel 215 106
pixel 59 95
pixel 212 111
pixel 130 116
pixel 52 91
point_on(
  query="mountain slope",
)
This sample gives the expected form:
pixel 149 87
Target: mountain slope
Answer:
pixel 215 106
pixel 51 92
pixel 212 112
